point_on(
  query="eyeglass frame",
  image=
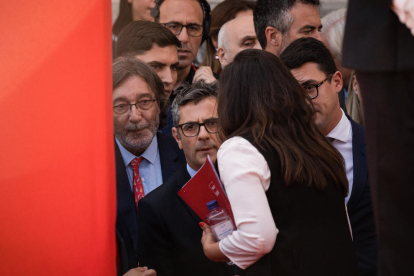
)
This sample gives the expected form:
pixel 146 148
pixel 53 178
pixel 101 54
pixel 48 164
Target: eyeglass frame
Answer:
pixel 199 127
pixel 182 26
pixel 318 85
pixel 136 106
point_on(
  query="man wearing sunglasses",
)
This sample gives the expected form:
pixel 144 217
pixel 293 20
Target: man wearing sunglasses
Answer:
pixel 168 232
pixel 314 68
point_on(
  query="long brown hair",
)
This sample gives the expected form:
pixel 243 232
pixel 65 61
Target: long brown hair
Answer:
pixel 258 95
pixel 124 17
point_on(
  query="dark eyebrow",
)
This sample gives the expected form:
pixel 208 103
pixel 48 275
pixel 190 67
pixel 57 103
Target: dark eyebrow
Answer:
pixel 309 82
pixel 175 64
pixel 307 27
pixel 152 63
pixel 121 98
pixel 248 37
pixel 192 122
pixel 175 22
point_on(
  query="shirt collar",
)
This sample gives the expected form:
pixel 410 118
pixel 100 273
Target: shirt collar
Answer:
pixel 191 172
pixel 149 154
pixel 341 131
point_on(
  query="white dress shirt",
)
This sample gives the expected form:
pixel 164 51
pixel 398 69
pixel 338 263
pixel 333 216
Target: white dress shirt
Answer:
pixel 342 133
pixel 245 174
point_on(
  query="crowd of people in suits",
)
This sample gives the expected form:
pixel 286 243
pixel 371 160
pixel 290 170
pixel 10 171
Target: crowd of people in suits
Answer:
pixel 264 89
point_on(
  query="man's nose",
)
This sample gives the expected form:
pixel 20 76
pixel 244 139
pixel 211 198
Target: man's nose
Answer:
pixel 166 76
pixel 183 36
pixel 135 114
pixel 203 133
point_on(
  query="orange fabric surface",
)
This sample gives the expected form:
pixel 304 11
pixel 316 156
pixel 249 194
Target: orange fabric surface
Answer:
pixel 57 172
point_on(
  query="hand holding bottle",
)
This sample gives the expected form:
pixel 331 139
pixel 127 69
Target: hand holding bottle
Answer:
pixel 211 246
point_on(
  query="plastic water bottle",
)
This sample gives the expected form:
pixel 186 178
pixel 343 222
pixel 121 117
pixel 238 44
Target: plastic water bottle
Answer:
pixel 220 222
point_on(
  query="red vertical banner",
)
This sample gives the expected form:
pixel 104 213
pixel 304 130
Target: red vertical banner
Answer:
pixel 57 173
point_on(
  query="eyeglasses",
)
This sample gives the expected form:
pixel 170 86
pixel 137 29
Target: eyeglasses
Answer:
pixel 312 89
pixel 141 105
pixel 193 129
pixel 192 29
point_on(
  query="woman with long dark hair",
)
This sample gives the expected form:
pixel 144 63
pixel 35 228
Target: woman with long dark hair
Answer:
pixel 285 181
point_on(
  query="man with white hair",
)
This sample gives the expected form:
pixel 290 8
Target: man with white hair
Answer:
pixel 235 36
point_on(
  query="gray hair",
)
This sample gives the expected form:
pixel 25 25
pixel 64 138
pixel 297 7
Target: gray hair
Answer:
pixel 192 93
pixel 333 31
pixel 124 68
pixel 275 14
pixel 222 36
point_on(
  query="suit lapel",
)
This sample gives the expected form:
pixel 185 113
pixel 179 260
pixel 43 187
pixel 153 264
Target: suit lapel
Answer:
pixel 182 179
pixel 125 201
pixel 360 165
pixel 168 156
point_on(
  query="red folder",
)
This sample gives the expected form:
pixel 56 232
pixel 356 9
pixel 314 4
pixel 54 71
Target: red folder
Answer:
pixel 204 187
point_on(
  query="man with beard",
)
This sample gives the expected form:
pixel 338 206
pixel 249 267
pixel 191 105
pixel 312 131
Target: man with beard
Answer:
pixel 144 157
pixel 168 230
pixel 157 46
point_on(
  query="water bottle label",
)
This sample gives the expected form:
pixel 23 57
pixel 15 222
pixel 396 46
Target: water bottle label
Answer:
pixel 223 229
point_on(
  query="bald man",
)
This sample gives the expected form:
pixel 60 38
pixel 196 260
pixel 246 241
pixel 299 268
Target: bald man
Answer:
pixel 235 36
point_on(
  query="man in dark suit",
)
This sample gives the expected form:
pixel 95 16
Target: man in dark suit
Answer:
pixel 380 48
pixel 144 157
pixel 169 236
pixel 313 66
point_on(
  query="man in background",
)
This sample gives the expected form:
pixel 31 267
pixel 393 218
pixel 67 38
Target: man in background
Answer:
pixel 157 46
pixel 278 23
pixel 144 157
pixel 189 20
pixel 234 36
pixel 169 235
pixel 313 66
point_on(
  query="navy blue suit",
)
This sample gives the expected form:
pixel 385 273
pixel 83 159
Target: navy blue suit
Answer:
pixel 171 158
pixel 169 235
pixel 360 205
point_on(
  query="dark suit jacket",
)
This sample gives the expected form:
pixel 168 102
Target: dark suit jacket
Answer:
pixel 374 38
pixel 171 158
pixel 169 237
pixel 360 206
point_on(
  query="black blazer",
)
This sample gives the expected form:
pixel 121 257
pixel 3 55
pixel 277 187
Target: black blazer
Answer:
pixel 360 206
pixel 171 158
pixel 374 39
pixel 169 237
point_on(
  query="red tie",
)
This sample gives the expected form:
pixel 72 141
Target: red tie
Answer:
pixel 137 187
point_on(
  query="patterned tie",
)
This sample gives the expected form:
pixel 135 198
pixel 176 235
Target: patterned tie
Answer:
pixel 137 187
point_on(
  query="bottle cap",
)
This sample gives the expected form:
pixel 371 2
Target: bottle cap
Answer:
pixel 212 205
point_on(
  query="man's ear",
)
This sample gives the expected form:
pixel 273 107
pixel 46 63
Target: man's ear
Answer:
pixel 273 39
pixel 337 80
pixel 222 56
pixel 177 137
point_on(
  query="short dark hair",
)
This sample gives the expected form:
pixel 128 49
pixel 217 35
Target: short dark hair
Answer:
pixel 125 67
pixel 269 104
pixel 274 13
pixel 309 49
pixel 139 36
pixel 192 93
